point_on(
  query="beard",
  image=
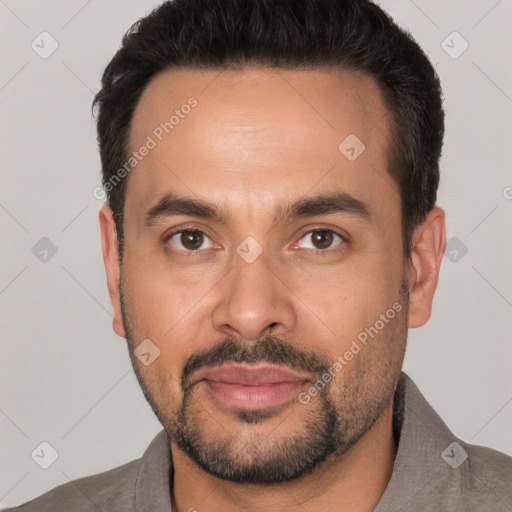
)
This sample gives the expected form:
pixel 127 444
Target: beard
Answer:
pixel 342 411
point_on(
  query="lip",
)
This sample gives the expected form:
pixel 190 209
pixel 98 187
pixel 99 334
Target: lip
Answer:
pixel 252 386
pixel 251 375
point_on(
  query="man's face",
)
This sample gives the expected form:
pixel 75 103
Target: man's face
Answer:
pixel 321 293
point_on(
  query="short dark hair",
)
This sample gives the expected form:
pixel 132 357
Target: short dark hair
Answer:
pixel 296 34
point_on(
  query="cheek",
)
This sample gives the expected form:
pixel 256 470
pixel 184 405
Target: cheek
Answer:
pixel 348 292
pixel 161 384
pixel 164 310
pixel 164 376
pixel 345 304
pixel 159 299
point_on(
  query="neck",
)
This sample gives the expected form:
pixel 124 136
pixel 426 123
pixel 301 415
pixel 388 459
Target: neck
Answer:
pixel 354 481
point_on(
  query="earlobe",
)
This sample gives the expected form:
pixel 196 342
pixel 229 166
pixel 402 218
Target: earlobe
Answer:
pixel 428 246
pixel 111 261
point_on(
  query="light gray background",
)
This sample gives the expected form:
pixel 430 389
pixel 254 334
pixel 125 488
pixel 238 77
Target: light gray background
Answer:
pixel 66 377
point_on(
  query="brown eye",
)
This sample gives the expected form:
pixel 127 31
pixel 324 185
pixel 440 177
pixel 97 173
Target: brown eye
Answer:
pixel 191 240
pixel 322 239
pixel 188 240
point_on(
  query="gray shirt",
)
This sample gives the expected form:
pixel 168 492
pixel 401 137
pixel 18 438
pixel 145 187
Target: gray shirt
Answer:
pixel 433 471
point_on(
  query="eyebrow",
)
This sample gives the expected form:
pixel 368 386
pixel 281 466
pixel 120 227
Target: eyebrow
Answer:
pixel 324 204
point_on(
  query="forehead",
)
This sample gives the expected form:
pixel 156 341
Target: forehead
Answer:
pixel 242 138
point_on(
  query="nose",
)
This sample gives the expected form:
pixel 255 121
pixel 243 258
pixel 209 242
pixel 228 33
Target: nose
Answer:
pixel 253 302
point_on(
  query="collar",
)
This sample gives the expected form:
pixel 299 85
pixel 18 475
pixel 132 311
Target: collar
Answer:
pixel 153 481
pixel 427 452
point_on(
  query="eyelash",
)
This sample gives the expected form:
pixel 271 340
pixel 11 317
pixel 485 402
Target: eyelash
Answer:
pixel 187 253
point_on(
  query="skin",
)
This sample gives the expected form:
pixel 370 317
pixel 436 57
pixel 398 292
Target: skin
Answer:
pixel 257 140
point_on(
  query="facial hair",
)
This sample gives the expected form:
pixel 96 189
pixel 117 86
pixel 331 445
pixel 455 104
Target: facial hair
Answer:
pixel 340 414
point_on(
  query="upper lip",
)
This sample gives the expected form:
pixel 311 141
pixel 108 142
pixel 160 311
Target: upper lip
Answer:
pixel 252 375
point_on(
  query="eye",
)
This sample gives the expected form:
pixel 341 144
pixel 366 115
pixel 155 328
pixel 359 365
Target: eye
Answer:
pixel 322 239
pixel 191 240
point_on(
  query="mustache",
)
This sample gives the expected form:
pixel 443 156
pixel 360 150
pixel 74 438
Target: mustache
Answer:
pixel 269 349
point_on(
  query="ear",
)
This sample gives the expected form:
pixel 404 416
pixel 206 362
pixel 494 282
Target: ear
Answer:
pixel 427 250
pixel 111 261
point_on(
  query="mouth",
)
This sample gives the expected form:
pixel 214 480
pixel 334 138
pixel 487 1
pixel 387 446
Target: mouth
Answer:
pixel 252 386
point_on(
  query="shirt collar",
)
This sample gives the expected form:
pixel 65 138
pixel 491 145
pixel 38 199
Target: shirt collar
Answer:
pixel 429 461
pixel 153 482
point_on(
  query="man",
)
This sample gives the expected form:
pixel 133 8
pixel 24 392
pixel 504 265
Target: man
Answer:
pixel 270 235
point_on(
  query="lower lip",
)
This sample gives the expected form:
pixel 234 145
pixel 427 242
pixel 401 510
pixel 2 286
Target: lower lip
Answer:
pixel 254 397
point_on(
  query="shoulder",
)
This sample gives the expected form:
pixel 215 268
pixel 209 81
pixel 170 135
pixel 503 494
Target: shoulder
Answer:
pixel 110 490
pixel 489 478
pixel 435 469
